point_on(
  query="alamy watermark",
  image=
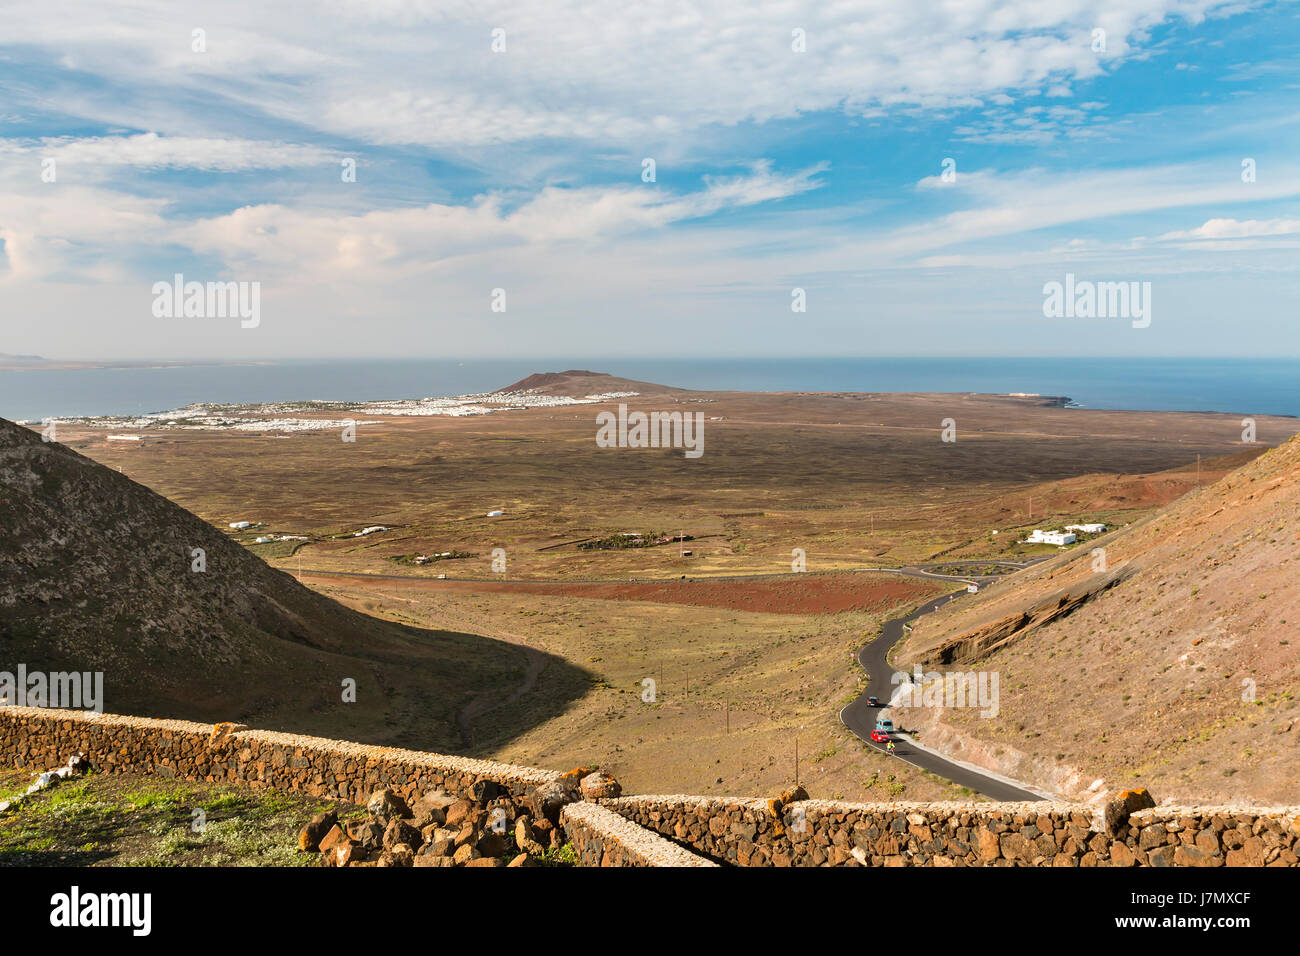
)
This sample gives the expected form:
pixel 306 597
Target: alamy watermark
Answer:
pixel 1084 299
pixel 67 690
pixel 179 299
pixel 654 430
pixel 74 908
pixel 953 689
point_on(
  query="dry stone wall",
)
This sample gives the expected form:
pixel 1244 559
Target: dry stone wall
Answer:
pixel 673 830
pixel 831 833
pixel 1209 836
pixel 603 838
pixel 38 738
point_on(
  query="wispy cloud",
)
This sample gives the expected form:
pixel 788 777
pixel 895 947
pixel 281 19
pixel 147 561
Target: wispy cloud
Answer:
pixel 150 151
pixel 207 137
pixel 1238 229
pixel 427 74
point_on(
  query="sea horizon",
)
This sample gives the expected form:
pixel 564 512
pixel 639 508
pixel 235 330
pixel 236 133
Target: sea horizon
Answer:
pixel 1255 386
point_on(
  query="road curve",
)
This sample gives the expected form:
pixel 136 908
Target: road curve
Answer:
pixel 860 717
pixel 857 716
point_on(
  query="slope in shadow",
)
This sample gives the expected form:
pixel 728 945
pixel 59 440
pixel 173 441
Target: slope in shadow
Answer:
pixel 98 573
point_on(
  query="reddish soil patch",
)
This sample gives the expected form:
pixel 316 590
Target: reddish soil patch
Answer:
pixel 802 594
pixel 810 594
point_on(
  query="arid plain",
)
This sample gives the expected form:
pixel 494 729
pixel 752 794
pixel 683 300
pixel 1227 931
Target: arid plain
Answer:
pixel 748 672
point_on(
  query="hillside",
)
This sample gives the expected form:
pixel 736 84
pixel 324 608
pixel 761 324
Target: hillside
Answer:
pixel 1176 664
pixel 579 382
pixel 96 574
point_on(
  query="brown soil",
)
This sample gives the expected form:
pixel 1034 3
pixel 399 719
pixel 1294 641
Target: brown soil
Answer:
pixel 809 594
pixel 855 480
pixel 1184 677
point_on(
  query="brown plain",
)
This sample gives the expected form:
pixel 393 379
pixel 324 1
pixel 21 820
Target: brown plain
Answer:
pixel 855 480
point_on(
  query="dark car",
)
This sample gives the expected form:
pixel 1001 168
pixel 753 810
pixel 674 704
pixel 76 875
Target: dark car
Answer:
pixel 873 701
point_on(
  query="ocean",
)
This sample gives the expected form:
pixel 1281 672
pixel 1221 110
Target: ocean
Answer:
pixel 1239 386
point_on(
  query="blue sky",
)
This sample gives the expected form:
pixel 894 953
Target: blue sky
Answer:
pixel 521 169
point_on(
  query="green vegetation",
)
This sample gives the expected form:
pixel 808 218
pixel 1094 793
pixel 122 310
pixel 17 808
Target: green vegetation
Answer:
pixel 119 820
pixel 624 540
pixel 563 856
pixel 269 550
pixel 409 559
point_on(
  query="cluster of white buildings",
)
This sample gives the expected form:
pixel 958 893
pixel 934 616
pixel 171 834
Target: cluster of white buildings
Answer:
pixel 429 558
pixel 265 538
pixel 1062 538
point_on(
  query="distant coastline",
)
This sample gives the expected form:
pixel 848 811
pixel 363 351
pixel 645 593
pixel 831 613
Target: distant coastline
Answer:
pixel 73 390
pixel 38 363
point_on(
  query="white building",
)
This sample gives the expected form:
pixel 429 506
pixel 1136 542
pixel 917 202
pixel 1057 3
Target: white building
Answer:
pixel 240 525
pixel 1050 537
pixel 1086 528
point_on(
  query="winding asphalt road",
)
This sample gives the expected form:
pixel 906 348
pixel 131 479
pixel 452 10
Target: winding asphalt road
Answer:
pixel 860 717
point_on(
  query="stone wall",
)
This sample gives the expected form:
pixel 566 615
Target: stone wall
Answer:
pixel 828 833
pixel 603 838
pixel 1210 836
pixel 675 830
pixel 38 739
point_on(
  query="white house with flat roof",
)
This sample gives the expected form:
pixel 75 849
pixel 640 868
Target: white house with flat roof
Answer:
pixel 1040 536
pixel 1086 528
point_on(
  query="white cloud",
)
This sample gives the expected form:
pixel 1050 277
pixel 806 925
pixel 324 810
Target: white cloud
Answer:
pixel 45 226
pixel 1238 229
pixel 1012 204
pixel 424 73
pixel 151 151
pixel 583 86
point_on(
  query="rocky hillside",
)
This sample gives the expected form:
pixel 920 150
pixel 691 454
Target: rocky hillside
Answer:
pixel 1177 663
pixel 98 573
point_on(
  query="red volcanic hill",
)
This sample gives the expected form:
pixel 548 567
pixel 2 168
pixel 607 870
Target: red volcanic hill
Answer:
pixel 579 382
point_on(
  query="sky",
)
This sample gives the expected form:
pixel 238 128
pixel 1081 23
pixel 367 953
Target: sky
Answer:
pixel 411 179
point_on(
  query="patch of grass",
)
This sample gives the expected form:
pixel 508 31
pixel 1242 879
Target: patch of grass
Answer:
pixel 122 820
pixel 565 855
pixel 149 799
